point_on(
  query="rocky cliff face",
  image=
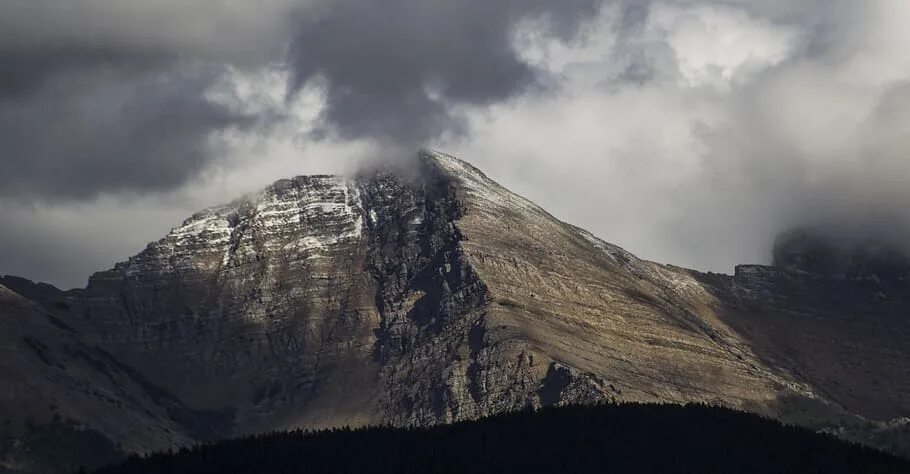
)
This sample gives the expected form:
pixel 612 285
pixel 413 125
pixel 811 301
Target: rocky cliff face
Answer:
pixel 434 295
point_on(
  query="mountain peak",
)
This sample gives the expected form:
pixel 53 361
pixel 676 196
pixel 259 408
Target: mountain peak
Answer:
pixel 416 296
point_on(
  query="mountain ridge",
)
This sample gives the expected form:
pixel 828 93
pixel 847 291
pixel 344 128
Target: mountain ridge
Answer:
pixel 433 295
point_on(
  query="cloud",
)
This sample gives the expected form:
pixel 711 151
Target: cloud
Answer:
pixel 109 130
pixel 689 131
pixel 102 98
pixel 694 132
pixel 229 30
pixel 99 97
pixel 394 70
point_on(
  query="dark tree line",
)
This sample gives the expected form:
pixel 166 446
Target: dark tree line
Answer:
pixel 582 439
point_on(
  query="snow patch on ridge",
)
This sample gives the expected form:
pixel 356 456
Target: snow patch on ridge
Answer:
pixel 210 225
pixel 320 210
pixel 295 219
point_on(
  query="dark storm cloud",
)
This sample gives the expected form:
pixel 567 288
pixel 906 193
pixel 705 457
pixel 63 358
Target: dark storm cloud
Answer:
pixel 76 121
pixel 76 132
pixel 691 131
pixel 110 101
pixel 97 100
pixel 215 29
pixel 394 69
pixel 100 97
pixel 24 73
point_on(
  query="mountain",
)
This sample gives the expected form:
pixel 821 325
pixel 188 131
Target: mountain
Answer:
pixel 576 439
pixel 68 403
pixel 426 293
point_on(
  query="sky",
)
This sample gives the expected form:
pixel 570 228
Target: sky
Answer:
pixel 688 132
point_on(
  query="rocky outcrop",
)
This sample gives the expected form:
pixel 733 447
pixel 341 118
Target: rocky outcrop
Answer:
pixel 260 308
pixel 432 295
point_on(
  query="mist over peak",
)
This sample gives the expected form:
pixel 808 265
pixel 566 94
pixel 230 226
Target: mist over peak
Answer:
pixel 829 252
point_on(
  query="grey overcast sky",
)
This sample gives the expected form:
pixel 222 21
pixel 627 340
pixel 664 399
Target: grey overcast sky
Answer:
pixel 689 132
